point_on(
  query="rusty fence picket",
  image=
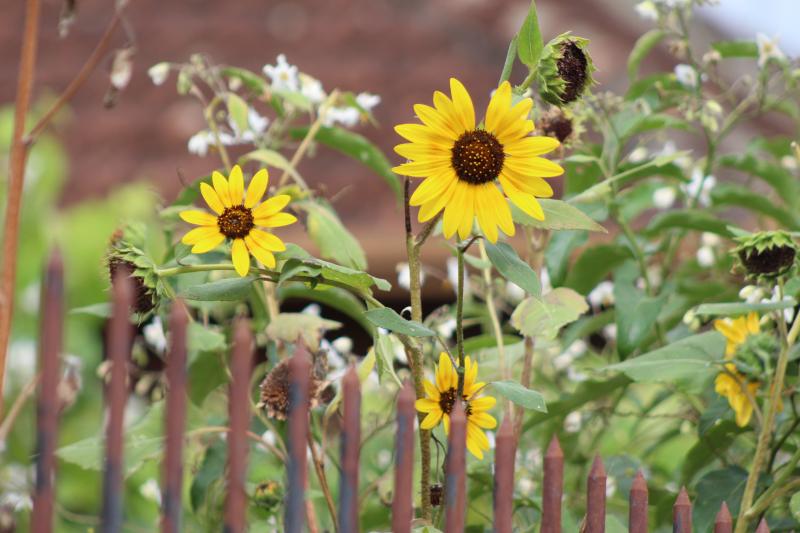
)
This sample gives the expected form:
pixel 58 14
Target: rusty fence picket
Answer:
pixel 119 339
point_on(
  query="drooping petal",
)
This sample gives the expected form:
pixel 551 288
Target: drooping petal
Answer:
pixel 276 221
pixel 198 234
pixel 236 185
pixel 533 166
pixel 482 404
pixel 453 212
pixel 526 202
pixel 531 146
pixel 240 257
pixel 200 218
pixel 211 198
pixel 484 210
pixel 208 243
pixel 271 206
pixel 426 405
pixel 257 188
pixel 222 188
pixel 430 188
pixel 431 209
pixel 267 241
pixel 467 212
pixel 483 420
pixel 264 256
pixel 431 390
pixel 431 420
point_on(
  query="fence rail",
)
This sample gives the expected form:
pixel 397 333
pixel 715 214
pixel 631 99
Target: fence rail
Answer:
pixel 296 513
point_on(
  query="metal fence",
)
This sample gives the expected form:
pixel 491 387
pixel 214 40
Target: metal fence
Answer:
pixel 119 346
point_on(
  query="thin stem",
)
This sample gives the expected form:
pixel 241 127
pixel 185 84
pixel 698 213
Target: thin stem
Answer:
pixel 323 481
pixel 16 407
pixel 212 124
pixel 762 447
pixel 16 178
pixel 460 322
pixel 306 142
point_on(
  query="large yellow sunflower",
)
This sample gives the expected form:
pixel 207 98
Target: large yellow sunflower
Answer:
pixel 732 384
pixel 441 398
pixel 236 216
pixel 463 162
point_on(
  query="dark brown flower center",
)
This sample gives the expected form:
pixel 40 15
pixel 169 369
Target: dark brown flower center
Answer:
pixel 236 222
pixel 572 69
pixel 477 157
pixel 447 400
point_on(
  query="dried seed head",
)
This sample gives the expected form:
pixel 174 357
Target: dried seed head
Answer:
pixel 555 123
pixel 436 494
pixel 275 387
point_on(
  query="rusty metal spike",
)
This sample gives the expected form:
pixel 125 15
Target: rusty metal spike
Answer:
pixel 552 487
pixel 351 444
pixel 455 497
pixel 505 454
pixel 763 527
pixel 682 513
pixel 723 522
pixel 299 375
pixel 402 505
pixel 596 498
pixel 637 512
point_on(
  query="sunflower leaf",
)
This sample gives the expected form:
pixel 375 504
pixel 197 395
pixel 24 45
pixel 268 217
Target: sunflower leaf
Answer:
pixel 641 49
pixel 522 396
pixel 289 326
pixel 237 110
pixel 271 158
pixel 558 215
pixel 384 350
pixel 529 39
pixel 514 269
pixel 386 318
pixel 333 239
pixel 221 290
pixel 544 317
pixel 741 308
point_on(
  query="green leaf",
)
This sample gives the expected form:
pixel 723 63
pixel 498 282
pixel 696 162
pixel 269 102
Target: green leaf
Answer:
pixel 692 361
pixel 717 486
pixel 524 397
pixel 273 159
pixel 331 237
pixel 794 506
pixel 363 370
pixel 211 471
pixel 642 49
pixel 288 327
pixel 738 195
pixel 354 278
pixel 298 100
pixel 384 350
pixel 544 317
pixel 251 80
pixel 237 109
pixel 514 269
pixel 692 219
pixel 221 290
pixel 511 55
pixel 333 297
pixel 558 215
pixel 741 308
pixel 386 318
pixel 729 49
pixel 594 264
pixel 100 310
pixel 780 179
pixel 359 148
pixel 636 313
pixel 203 339
pixel 529 39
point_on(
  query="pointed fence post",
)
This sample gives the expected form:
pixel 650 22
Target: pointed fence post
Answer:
pixel 763 527
pixel 299 374
pixel 239 420
pixel 50 340
pixel 682 513
pixel 118 345
pixel 175 420
pixel 596 498
pixel 552 487
pixel 637 513
pixel 505 452
pixel 351 443
pixel 402 506
pixel 455 482
pixel 724 522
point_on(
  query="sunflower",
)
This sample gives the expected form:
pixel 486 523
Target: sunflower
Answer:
pixel 462 163
pixel 441 398
pixel 732 384
pixel 236 216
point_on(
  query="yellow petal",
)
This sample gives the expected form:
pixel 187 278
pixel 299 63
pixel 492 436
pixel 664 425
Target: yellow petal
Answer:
pixel 208 244
pixel 526 202
pixel 498 106
pixel 483 420
pixel 426 405
pixel 452 211
pixel 463 104
pixel 240 257
pixel 211 198
pixel 201 218
pixel 267 241
pixel 276 221
pixel 434 120
pixel 422 169
pixel 236 185
pixel 415 151
pixel 430 188
pixel 531 185
pixel 431 420
pixel 431 390
pixel 199 234
pixel 265 257
pixel 533 166
pixel 257 188
pixel 271 206
pixel 447 109
pixel 419 133
pixel 468 212
pixel 222 188
pixel 753 325
pixel 501 210
pixel 432 208
pixel 531 146
pixel 482 404
pixel 484 210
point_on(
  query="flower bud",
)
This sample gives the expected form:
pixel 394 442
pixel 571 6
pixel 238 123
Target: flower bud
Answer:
pixel 565 69
pixel 766 254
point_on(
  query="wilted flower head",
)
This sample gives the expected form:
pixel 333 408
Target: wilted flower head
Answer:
pixel 766 253
pixel 565 69
pixel 275 387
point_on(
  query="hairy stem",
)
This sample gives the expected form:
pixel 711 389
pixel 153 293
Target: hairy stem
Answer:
pixel 460 322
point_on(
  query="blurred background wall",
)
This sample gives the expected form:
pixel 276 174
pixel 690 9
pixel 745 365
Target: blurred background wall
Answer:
pixel 402 50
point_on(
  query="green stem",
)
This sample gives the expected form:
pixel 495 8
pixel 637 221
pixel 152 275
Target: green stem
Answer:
pixel 491 308
pixel 780 486
pixel 762 447
pixel 460 322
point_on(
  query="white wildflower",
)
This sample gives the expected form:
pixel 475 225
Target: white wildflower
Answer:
pixel 768 50
pixel 602 295
pixel 154 335
pixel 751 294
pixel 610 332
pixel 710 239
pixel 788 314
pixel 343 345
pixel 268 437
pixel 514 292
pixel 647 10
pixel 573 422
pixel 158 73
pixel 346 116
pixel 700 187
pixel 611 486
pixel 368 101
pixel 282 75
pixel 151 491
pixel 404 276
pixel 526 485
pixel 664 197
pixel 789 162
pixel 199 143
pixel 638 155
pixel 687 76
pixel 446 328
pixel 705 256
pixel 311 88
pixel 312 309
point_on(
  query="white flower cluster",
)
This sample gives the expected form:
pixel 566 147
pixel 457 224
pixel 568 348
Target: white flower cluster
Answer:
pixel 707 252
pixel 700 187
pixel 753 294
pixel 257 124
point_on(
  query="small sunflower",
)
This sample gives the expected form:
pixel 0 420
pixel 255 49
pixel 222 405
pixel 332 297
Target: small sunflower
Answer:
pixel 462 162
pixel 236 216
pixel 732 384
pixel 441 398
